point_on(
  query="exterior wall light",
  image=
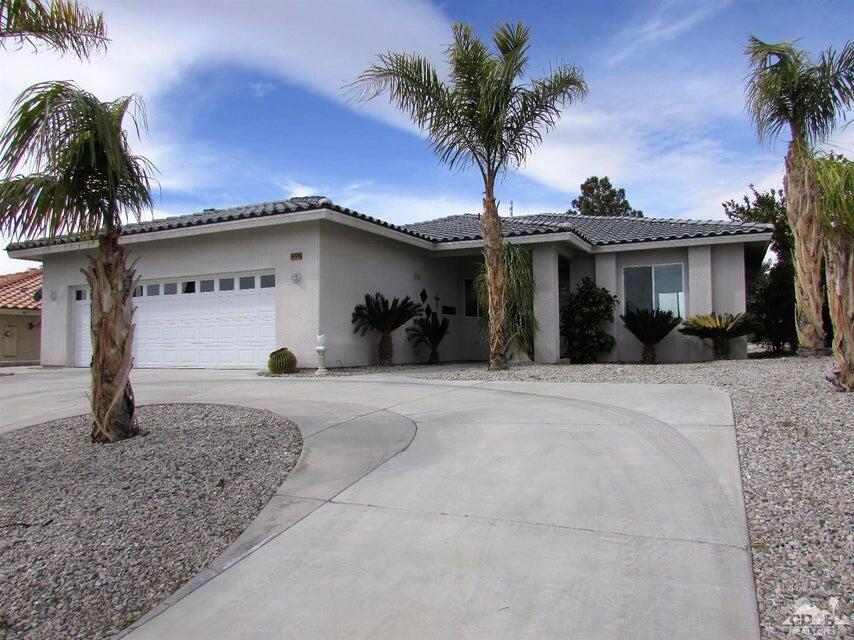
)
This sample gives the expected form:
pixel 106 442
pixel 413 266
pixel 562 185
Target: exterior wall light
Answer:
pixel 296 277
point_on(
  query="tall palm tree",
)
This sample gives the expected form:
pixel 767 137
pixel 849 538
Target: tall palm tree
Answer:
pixel 788 90
pixel 485 116
pixel 84 179
pixel 62 25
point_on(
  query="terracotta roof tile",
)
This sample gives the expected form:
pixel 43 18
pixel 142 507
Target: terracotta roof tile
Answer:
pixel 17 289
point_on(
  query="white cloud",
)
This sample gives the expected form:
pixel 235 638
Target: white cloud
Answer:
pixel 294 189
pixel 668 21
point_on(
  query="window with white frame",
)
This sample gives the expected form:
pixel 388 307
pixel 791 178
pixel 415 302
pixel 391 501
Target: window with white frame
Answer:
pixel 659 286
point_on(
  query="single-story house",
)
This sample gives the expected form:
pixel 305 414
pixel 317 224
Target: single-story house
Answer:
pixel 224 287
pixel 20 317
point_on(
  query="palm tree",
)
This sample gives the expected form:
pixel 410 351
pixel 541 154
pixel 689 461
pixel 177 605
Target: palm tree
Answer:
pixel 84 180
pixel 384 318
pixel 650 328
pixel 787 89
pixel 483 117
pixel 62 25
pixel 720 328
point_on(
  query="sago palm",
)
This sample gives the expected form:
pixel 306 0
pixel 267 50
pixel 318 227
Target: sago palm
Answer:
pixel 62 25
pixel 720 328
pixel 384 318
pixel 486 115
pixel 788 90
pixel 650 327
pixel 84 180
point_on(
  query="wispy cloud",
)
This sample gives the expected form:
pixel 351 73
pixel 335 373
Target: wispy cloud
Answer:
pixel 295 189
pixel 668 21
pixel 261 89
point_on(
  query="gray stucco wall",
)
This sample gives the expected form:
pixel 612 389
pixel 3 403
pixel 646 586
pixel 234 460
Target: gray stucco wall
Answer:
pixel 354 263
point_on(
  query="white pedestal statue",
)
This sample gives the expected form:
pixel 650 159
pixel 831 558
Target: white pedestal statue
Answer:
pixel 321 355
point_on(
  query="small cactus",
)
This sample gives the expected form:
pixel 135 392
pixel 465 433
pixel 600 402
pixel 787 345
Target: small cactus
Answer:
pixel 282 361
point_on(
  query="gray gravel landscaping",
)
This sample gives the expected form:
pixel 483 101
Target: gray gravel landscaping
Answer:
pixel 93 536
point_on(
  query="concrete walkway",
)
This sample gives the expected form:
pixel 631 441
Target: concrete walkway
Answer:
pixel 465 510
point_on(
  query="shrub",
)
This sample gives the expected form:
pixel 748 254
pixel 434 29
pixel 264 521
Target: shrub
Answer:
pixel 771 307
pixel 582 318
pixel 720 328
pixel 650 328
pixel 282 361
pixel 520 323
pixel 428 330
pixel 384 318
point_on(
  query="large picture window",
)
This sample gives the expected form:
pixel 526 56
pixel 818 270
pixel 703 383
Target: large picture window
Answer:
pixel 655 287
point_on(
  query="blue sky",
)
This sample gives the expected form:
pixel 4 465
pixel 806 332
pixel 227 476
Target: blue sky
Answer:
pixel 245 100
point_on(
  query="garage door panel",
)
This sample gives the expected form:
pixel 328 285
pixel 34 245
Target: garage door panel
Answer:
pixel 234 329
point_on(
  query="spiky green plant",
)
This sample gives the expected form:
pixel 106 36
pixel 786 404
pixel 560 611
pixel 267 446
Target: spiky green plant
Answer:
pixel 488 115
pixel 650 328
pixel 378 315
pixel 84 181
pixel 429 330
pixel 60 24
pixel 835 177
pixel 520 323
pixel 720 328
pixel 282 361
pixel 788 90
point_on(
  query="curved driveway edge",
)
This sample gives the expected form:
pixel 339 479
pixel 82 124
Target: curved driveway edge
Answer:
pixel 518 510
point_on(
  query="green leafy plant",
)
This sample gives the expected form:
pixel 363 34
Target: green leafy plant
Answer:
pixel 720 328
pixel 835 177
pixel 60 24
pixel 582 318
pixel 378 315
pixel 520 323
pixel 483 112
pixel 428 330
pixel 282 361
pixel 650 328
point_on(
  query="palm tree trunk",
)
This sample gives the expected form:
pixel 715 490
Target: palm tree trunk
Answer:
pixel 385 350
pixel 492 238
pixel 648 355
pixel 111 281
pixel 802 209
pixel 839 266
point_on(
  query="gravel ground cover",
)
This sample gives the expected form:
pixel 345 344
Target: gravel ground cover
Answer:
pixel 797 464
pixel 93 536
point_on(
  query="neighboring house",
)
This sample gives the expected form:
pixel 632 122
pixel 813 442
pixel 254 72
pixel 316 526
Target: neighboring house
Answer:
pixel 223 288
pixel 20 317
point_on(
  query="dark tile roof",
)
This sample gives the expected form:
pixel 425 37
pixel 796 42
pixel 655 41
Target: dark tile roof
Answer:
pixel 17 290
pixel 603 231
pixel 213 216
pixel 596 230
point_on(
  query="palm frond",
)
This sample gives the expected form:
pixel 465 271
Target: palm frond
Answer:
pixel 786 88
pixel 62 25
pixel 835 177
pixel 381 316
pixel 85 177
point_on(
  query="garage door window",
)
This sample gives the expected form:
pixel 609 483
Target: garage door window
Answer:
pixel 206 286
pixel 137 292
pixel 188 287
pixel 226 284
pixel 247 282
pixel 170 288
pixel 80 294
pixel 268 282
pixel 152 290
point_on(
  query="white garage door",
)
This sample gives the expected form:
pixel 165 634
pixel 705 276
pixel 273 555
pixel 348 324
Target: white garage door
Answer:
pixel 222 322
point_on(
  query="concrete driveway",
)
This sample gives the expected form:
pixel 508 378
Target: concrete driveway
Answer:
pixel 465 510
